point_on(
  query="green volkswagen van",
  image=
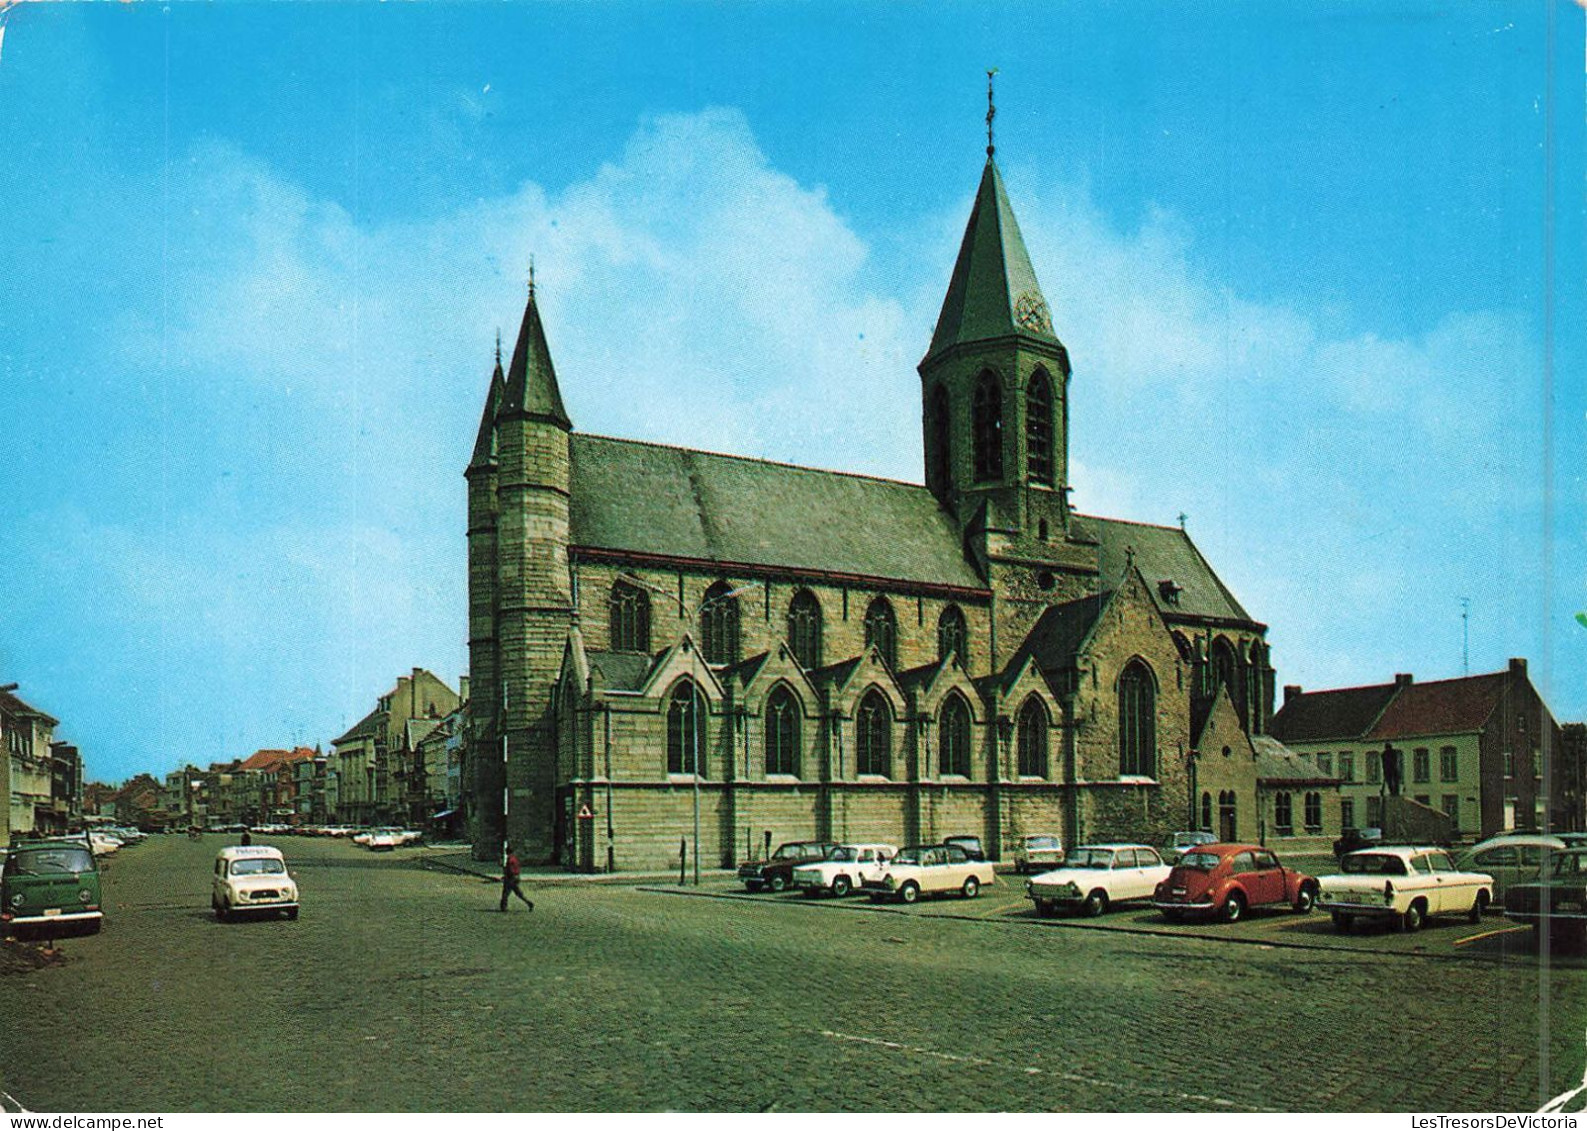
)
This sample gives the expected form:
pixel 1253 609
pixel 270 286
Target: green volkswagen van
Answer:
pixel 49 883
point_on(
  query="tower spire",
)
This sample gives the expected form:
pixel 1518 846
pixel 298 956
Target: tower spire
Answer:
pixel 991 112
pixel 531 378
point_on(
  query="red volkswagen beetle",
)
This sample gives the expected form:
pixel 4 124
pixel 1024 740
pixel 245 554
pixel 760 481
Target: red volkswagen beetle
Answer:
pixel 1225 880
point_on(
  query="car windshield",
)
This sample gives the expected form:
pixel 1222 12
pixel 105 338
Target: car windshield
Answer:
pixel 258 866
pixel 1041 842
pixel 908 856
pixel 845 853
pixel 1089 858
pixel 1199 861
pixel 1569 865
pixel 49 861
pixel 1374 864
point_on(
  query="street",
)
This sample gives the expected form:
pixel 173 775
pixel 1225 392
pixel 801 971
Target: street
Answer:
pixel 402 988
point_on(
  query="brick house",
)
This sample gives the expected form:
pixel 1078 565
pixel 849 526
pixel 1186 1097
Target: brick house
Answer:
pixel 1482 749
pixel 25 735
pixel 835 655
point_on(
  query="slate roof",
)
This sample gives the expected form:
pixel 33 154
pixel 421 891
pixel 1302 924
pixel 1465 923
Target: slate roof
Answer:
pixel 1059 632
pixel 1164 553
pixel 991 276
pixel 674 502
pixel 367 727
pixel 14 706
pixel 1346 712
pixel 1446 706
pixel 622 671
pixel 1277 764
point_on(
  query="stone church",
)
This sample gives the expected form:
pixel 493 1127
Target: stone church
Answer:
pixel 661 637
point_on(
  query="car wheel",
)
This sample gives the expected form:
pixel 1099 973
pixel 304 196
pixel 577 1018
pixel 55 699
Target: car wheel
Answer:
pixel 1305 899
pixel 292 913
pixel 1233 907
pixel 776 883
pixel 1096 902
pixel 1046 909
pixel 94 925
pixel 1412 919
pixel 221 913
pixel 752 888
pixel 841 886
pixel 1479 907
pixel 1174 916
pixel 972 887
pixel 909 892
pixel 1341 922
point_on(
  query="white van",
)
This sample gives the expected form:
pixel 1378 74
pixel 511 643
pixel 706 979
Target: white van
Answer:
pixel 252 877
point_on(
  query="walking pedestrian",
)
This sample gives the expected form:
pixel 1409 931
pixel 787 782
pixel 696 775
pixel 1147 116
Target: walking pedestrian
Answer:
pixel 510 872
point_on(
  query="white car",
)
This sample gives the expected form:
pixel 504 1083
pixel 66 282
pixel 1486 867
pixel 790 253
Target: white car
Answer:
pixel 103 844
pixel 928 869
pixel 1038 851
pixel 252 877
pixel 1403 886
pixel 849 866
pixel 1095 875
pixel 384 840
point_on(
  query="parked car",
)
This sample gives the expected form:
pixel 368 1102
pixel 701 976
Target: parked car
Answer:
pixel 1403 886
pixel 252 878
pixel 1096 875
pixel 776 873
pixel 1038 852
pixel 840 873
pixel 930 869
pixel 1354 840
pixel 1556 901
pixel 1510 858
pixel 1223 881
pixel 971 844
pixel 384 840
pixel 47 882
pixel 103 844
pixel 1182 842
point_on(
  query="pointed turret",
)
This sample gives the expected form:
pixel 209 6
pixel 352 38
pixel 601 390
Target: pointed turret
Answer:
pixel 485 442
pixel 993 292
pixel 531 388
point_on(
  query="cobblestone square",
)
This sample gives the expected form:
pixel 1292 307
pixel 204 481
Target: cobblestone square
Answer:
pixel 402 988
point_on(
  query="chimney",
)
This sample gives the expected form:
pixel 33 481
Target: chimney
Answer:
pixel 1403 679
pixel 462 688
pixel 1518 666
pixel 1291 691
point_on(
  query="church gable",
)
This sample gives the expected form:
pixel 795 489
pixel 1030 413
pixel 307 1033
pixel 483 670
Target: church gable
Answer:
pixel 753 681
pixel 847 683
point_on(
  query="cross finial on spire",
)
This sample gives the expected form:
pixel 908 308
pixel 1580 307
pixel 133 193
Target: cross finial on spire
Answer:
pixel 991 111
pixel 531 276
pixel 1182 517
pixel 498 347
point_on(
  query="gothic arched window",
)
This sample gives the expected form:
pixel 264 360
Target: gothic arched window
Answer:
pixel 953 737
pixel 630 618
pixel 685 730
pixel 873 736
pixel 1206 812
pixel 804 628
pixel 1226 670
pixel 1038 428
pixel 1137 722
pixel 938 451
pixel 719 625
pixel 987 428
pixel 1228 823
pixel 782 732
pixel 1033 739
pixel 881 629
pixel 951 635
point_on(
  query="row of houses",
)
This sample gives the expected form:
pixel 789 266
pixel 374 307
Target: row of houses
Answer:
pixel 400 764
pixel 43 778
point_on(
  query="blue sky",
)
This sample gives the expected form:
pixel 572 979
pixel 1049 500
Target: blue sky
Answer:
pixel 254 257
